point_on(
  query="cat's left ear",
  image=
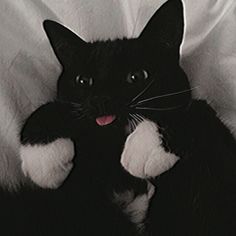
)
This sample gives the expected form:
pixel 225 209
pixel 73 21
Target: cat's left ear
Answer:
pixel 166 26
pixel 64 42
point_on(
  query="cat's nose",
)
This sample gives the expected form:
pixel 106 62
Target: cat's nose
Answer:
pixel 101 99
pixel 100 103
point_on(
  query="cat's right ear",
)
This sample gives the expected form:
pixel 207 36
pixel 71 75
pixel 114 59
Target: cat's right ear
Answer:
pixel 64 42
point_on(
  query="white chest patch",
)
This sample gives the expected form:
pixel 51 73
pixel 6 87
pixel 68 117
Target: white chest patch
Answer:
pixel 143 155
pixel 48 165
pixel 135 207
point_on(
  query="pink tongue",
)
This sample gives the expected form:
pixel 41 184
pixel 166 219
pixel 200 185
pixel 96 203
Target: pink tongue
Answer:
pixel 105 120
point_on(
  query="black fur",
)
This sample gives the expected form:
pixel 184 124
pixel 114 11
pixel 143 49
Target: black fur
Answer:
pixel 196 197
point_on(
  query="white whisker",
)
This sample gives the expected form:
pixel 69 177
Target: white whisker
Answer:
pixel 129 125
pixel 138 118
pixel 81 115
pixel 141 118
pixel 132 125
pixel 75 104
pixel 71 103
pixel 76 110
pixel 134 121
pixel 164 95
pixel 142 92
pixel 158 109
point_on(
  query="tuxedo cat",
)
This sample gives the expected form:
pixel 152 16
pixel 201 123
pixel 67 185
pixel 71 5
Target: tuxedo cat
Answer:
pixel 124 145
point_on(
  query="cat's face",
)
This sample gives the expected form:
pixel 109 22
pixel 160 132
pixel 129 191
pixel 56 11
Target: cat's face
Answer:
pixel 112 80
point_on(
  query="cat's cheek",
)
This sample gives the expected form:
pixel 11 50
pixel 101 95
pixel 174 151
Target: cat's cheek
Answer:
pixel 47 165
pixel 144 155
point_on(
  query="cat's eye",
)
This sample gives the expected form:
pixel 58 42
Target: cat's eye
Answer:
pixel 84 81
pixel 134 77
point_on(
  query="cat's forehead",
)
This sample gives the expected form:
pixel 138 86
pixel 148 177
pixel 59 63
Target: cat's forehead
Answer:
pixel 119 53
pixel 116 49
pixel 117 45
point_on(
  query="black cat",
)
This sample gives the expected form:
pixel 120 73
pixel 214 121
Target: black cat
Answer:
pixel 125 107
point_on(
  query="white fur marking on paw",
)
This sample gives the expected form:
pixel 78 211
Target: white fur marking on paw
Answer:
pixel 143 155
pixel 48 165
pixel 135 207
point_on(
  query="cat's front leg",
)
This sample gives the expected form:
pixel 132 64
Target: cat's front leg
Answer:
pixel 46 150
pixel 144 155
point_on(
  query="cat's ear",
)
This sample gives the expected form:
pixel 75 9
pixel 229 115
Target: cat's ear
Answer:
pixel 64 42
pixel 166 25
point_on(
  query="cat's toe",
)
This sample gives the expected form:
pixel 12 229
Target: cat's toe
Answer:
pixel 47 165
pixel 144 155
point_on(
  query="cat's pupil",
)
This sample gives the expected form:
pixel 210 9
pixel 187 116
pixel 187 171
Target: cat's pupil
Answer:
pixel 83 80
pixel 134 77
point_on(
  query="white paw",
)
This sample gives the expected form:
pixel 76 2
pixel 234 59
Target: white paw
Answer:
pixel 143 155
pixel 135 207
pixel 48 165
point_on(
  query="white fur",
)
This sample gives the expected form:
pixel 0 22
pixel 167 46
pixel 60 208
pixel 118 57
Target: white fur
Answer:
pixel 143 155
pixel 124 198
pixel 135 207
pixel 48 165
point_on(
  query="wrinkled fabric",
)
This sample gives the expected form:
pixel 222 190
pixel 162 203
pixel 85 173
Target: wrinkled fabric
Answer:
pixel 29 68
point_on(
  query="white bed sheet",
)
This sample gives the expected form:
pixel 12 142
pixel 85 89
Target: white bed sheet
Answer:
pixel 29 69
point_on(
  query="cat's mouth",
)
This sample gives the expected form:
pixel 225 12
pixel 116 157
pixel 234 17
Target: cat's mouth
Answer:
pixel 105 120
